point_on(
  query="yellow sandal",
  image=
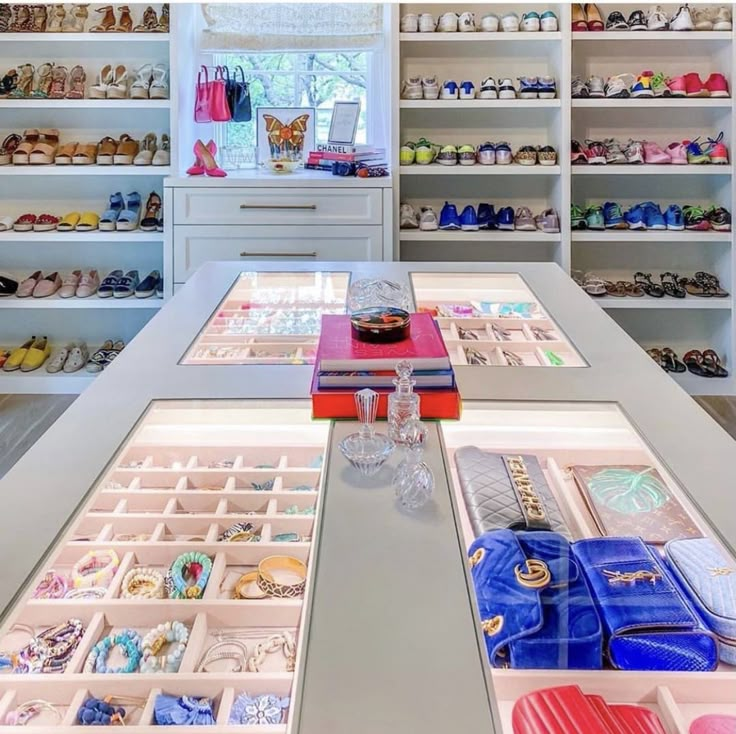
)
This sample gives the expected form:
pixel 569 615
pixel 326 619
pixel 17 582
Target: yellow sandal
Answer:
pixel 88 221
pixel 69 222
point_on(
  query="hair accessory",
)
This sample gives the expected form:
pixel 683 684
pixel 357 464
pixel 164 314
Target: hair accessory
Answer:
pixel 100 712
pixel 220 651
pixel 52 586
pixel 146 583
pixel 154 641
pixel 182 711
pixel 268 584
pixel 266 486
pixel 264 709
pixel 187 578
pixel 128 641
pixel 95 568
pixel 24 712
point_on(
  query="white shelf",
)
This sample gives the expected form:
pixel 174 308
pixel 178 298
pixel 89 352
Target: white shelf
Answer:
pixel 437 169
pixel 636 235
pixel 94 170
pixel 86 37
pixel 666 169
pixel 94 236
pixel 40 382
pixel 481 235
pixel 653 102
pixel 676 36
pixel 477 104
pixel 645 302
pixel 93 302
pixel 458 37
pixel 84 104
pixel 696 385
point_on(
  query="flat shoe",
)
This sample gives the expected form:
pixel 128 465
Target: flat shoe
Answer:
pixel 58 359
pixel 36 355
pixel 17 355
pixel 78 356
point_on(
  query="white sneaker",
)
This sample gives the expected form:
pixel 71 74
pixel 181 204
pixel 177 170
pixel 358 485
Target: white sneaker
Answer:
pixel 548 22
pixel 409 23
pixel 506 89
pixel 620 85
pixel 430 87
pixel 466 24
pixel 510 22
pixel 721 17
pixel 703 19
pixel 488 89
pixel 657 19
pixel 408 218
pixel 428 220
pixel 682 20
pixel 411 88
pixel 466 90
pixel 426 23
pixel 529 23
pixel 489 23
pixel 450 90
pixel 447 23
pixel 596 86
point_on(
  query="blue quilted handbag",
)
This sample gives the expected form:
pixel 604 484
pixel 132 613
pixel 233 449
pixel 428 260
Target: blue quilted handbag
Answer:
pixel 647 622
pixel 535 606
pixel 708 577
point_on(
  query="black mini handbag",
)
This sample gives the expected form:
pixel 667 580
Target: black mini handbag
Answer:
pixel 238 96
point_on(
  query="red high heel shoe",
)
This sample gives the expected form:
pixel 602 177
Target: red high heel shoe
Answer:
pixel 197 168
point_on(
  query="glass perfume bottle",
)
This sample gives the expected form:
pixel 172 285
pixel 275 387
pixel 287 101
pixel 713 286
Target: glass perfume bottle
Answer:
pixel 403 403
pixel 367 450
pixel 413 480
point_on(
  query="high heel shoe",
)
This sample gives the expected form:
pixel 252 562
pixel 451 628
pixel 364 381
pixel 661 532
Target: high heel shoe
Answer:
pixel 204 160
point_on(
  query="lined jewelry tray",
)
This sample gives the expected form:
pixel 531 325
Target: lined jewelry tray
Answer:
pixel 185 475
pixel 591 434
pixel 270 318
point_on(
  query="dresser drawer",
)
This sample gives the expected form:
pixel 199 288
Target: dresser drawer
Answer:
pixel 194 246
pixel 277 206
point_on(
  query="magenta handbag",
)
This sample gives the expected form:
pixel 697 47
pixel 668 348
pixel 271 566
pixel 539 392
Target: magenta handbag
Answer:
pixel 202 96
pixel 219 107
pixel 210 99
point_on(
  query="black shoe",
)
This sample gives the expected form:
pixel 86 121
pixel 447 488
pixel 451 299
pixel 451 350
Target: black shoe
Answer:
pixel 147 287
pixel 616 22
pixel 637 21
pixel 8 286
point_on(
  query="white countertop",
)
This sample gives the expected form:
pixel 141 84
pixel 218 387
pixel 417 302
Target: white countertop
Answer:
pixel 261 177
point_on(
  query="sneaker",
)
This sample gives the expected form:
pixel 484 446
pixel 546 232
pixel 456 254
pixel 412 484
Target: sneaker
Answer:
pixel 595 152
pixel 426 23
pixel 448 217
pixel 719 219
pixel 408 218
pixel 428 220
pixel 528 87
pixel 409 23
pixel 407 154
pixel 637 21
pixel 694 86
pixel 695 218
pixel 503 154
pixel 530 22
pixel 695 154
pixel 634 218
pixel 424 152
pixel 579 88
pixel 450 90
pixel 618 86
pixel 486 153
pixel 487 217
pixel 469 219
pixel 466 23
pixel 614 152
pixel 578 153
pixel 653 154
pixel 510 23
pixel 643 85
pixel 616 22
pixel 524 221
pixel 547 87
pixel 447 156
pixel 466 155
pixel 634 151
pixel 682 20
pixel 548 221
pixel 658 83
pixel 526 155
pixel 596 86
pixel 411 88
pixel 467 90
pixel 717 85
pixel 674 218
pixel 594 218
pixel 702 19
pixel 505 218
pixel 677 86
pixel 488 89
pixel 547 156
pixel 577 217
pixel 657 19
pixel 653 217
pixel 489 23
pixel 447 23
pixel 722 18
pixel 430 87
pixel 717 150
pixel 613 216
pixel 506 89
pixel 677 153
pixel 548 22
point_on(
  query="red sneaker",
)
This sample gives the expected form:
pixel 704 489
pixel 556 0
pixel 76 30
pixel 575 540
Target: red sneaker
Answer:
pixel 694 86
pixel 717 150
pixel 717 85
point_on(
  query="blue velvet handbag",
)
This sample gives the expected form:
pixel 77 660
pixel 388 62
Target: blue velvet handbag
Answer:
pixel 647 622
pixel 535 606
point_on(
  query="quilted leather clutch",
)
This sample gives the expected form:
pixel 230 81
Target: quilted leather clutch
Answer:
pixel 506 491
pixel 714 724
pixel 633 500
pixel 708 577
pixel 647 623
pixel 626 718
pixel 535 606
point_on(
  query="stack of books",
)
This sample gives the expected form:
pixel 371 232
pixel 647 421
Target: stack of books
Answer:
pixel 325 154
pixel 345 365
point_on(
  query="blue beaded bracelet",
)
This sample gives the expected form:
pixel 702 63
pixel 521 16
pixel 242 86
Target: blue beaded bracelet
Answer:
pixel 129 643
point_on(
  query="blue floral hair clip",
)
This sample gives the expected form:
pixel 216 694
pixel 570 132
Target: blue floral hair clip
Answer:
pixel 264 709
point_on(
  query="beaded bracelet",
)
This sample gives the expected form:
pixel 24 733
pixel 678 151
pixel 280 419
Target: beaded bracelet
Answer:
pixel 146 583
pixel 50 650
pixel 153 642
pixel 193 564
pixel 95 568
pixel 28 710
pixel 52 586
pixel 129 643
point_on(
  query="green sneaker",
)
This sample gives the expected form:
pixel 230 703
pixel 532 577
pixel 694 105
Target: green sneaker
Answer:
pixel 659 85
pixel 594 218
pixel 466 155
pixel 425 152
pixel 447 156
pixel 407 154
pixel 577 217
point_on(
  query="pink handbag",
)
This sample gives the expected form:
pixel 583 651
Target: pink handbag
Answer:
pixel 210 100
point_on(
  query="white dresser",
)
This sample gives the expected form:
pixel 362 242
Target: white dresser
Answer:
pixel 260 216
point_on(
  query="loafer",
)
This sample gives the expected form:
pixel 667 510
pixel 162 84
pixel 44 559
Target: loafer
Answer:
pixel 88 284
pixel 111 280
pixel 77 359
pixel 58 359
pixel 37 354
pixel 47 286
pixel 8 286
pixel 126 285
pixel 70 284
pixel 99 360
pixel 27 286
pixel 15 360
pixel 147 287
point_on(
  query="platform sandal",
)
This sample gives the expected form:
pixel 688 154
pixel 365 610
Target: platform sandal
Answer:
pixel 159 88
pixel 150 21
pixel 6 15
pixel 162 155
pixel 108 20
pixel 671 362
pixel 44 151
pixel 56 19
pixel 85 154
pixel 644 281
pixel 77 81
pixel 128 219
pixel 9 83
pixel 65 153
pixel 59 77
pixel 125 23
pixel 153 210
pixel 8 147
pixel 712 362
pixel 77 19
pixel 695 363
pixel 104 80
pixel 148 148
pixel 24 148
pixel 24 84
pixel 671 285
pixel 163 23
pixel 126 152
pixel 106 150
pixel 39 18
pixel 711 283
pixel 118 88
pixel 42 81
pixel 140 88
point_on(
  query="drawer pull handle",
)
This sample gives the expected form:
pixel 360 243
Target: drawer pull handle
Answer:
pixel 313 207
pixel 245 253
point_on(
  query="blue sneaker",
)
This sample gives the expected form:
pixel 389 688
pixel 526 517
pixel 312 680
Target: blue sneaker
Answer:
pixel 506 218
pixel 449 90
pixel 504 156
pixel 487 217
pixel 613 216
pixel 467 90
pixel 674 218
pixel 653 217
pixel 468 219
pixel 528 87
pixel 635 217
pixel 448 217
pixel 547 87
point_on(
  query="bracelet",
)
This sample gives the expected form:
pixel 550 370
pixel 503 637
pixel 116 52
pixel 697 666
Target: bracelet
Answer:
pixel 28 710
pixel 131 537
pixel 52 586
pixel 284 641
pixel 289 538
pixel 95 568
pixel 219 651
pixel 193 564
pixel 263 709
pixel 153 643
pixel 146 583
pixel 129 643
pixel 93 592
pixel 240 532
pixel 294 510
pixel 50 650
pixel 240 591
pixel 271 587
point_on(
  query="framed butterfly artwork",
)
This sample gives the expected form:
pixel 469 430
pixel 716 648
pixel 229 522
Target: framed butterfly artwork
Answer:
pixel 285 133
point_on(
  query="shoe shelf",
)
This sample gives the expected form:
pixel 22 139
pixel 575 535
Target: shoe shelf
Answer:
pixel 514 169
pixel 182 478
pixel 136 235
pixel 651 170
pixel 647 302
pixel 92 170
pixel 478 104
pixel 41 382
pixel 647 36
pixel 108 38
pixel 93 302
pixel 86 104
pixel 634 236
pixel 663 102
pixel 482 235
pixel 480 37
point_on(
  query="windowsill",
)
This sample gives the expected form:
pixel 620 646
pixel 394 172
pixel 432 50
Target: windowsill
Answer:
pixel 299 179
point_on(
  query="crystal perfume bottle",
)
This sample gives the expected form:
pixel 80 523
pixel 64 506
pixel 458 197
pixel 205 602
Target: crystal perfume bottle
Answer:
pixel 403 403
pixel 413 480
pixel 367 450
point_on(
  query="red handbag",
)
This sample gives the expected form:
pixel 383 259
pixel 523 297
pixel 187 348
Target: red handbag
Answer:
pixel 210 99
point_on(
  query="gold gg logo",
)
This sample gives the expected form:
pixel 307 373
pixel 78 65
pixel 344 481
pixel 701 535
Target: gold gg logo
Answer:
pixel 535 575
pixel 724 571
pixel 493 625
pixel 476 558
pixel 524 485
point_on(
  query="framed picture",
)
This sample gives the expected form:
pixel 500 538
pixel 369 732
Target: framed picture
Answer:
pixel 285 133
pixel 344 124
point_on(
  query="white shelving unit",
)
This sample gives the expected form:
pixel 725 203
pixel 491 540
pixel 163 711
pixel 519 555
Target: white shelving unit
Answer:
pixel 62 189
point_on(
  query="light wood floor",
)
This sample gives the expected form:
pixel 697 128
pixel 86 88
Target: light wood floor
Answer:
pixel 722 410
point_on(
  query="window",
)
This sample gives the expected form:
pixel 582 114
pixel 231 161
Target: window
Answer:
pixel 302 79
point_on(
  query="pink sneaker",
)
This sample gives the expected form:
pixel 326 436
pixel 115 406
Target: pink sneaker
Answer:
pixel 677 86
pixel 717 85
pixel 677 153
pixel 717 151
pixel 653 154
